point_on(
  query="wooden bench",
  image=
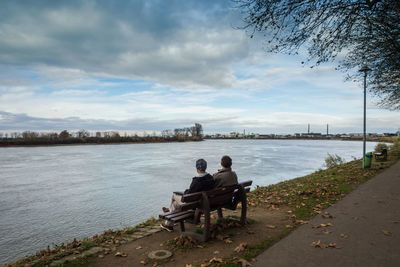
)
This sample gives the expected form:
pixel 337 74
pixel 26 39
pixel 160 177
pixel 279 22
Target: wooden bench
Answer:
pixel 202 203
pixel 382 155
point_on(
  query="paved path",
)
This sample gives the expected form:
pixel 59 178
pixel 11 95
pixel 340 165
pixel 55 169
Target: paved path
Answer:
pixel 369 221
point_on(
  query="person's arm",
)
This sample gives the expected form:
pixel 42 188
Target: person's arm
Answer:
pixel 194 186
pixel 217 180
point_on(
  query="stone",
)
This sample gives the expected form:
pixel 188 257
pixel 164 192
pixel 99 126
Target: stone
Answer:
pixel 160 254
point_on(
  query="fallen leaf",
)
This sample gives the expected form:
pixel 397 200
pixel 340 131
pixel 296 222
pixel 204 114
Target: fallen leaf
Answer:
pixel 334 245
pixel 387 233
pixel 143 262
pixel 271 226
pixel 101 256
pixel 355 218
pixel 244 262
pixel 288 226
pixel 325 232
pixel 189 265
pixel 139 247
pixel 228 241
pixel 199 246
pixel 344 236
pixel 155 264
pixel 215 260
pixel 120 254
pixel 241 247
pixel 327 216
pixel 318 244
pixel 216 252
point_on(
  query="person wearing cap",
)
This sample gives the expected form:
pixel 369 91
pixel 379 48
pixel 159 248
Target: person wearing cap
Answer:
pixel 203 181
pixel 225 176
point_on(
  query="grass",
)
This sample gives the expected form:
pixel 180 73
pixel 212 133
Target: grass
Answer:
pixel 306 197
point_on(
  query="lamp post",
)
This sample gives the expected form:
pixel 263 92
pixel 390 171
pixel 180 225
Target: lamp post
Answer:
pixel 364 69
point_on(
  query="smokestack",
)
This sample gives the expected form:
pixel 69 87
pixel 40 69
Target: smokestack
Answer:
pixel 327 129
pixel 308 131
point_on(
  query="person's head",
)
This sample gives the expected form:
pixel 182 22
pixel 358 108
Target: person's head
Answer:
pixel 226 162
pixel 201 165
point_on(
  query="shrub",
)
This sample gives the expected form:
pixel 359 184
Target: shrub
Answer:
pixel 380 146
pixel 333 160
pixel 394 149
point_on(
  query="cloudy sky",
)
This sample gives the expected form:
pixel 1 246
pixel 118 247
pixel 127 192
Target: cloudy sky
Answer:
pixel 155 64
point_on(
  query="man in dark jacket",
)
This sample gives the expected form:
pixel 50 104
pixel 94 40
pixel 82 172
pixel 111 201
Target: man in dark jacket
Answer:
pixel 203 181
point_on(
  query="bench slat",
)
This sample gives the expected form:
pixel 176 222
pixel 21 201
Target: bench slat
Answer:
pixel 183 217
pixel 173 214
pixel 246 183
pixel 191 205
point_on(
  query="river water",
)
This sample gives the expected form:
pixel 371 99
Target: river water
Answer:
pixel 49 195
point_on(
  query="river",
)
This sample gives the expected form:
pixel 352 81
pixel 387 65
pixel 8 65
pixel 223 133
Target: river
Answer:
pixel 49 195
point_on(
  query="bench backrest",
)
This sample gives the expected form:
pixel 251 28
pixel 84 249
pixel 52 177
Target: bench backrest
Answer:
pixel 217 196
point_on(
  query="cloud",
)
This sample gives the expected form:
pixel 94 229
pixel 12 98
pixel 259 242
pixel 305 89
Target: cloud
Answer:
pixel 150 40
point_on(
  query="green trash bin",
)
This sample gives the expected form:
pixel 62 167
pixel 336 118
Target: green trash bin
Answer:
pixel 368 159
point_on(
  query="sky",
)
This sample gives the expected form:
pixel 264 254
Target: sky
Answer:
pixel 155 65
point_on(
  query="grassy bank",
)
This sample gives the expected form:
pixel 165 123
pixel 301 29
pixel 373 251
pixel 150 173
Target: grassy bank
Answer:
pixel 307 196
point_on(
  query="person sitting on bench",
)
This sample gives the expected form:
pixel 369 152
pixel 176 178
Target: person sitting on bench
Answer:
pixel 225 176
pixel 202 182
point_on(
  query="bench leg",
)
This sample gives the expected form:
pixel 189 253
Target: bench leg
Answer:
pixel 182 226
pixel 206 226
pixel 220 216
pixel 244 210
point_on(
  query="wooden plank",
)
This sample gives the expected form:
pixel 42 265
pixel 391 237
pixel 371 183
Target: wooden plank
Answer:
pixel 172 214
pixel 246 183
pixel 183 217
pixel 191 205
pixel 191 197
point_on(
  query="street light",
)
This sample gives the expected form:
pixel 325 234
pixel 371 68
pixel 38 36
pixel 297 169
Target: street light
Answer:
pixel 364 69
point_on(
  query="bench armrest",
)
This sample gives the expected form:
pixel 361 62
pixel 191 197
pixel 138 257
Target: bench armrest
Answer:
pixel 180 193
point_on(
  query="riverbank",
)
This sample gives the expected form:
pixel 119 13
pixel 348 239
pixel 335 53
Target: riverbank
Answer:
pixel 274 211
pixel 95 141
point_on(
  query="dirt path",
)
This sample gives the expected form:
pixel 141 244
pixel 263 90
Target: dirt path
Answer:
pixel 265 224
pixel 365 225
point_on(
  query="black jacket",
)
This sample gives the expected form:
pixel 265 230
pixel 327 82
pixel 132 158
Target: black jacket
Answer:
pixel 199 184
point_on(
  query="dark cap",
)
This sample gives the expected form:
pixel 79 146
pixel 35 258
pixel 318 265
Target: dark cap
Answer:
pixel 201 164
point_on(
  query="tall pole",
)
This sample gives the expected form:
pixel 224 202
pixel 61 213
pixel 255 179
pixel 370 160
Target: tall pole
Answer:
pixel 364 69
pixel 365 116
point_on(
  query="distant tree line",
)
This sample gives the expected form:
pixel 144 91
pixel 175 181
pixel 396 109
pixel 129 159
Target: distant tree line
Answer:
pixel 194 133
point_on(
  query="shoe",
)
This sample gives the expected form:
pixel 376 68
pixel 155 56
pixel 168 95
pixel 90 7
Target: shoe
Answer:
pixel 164 209
pixel 166 227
